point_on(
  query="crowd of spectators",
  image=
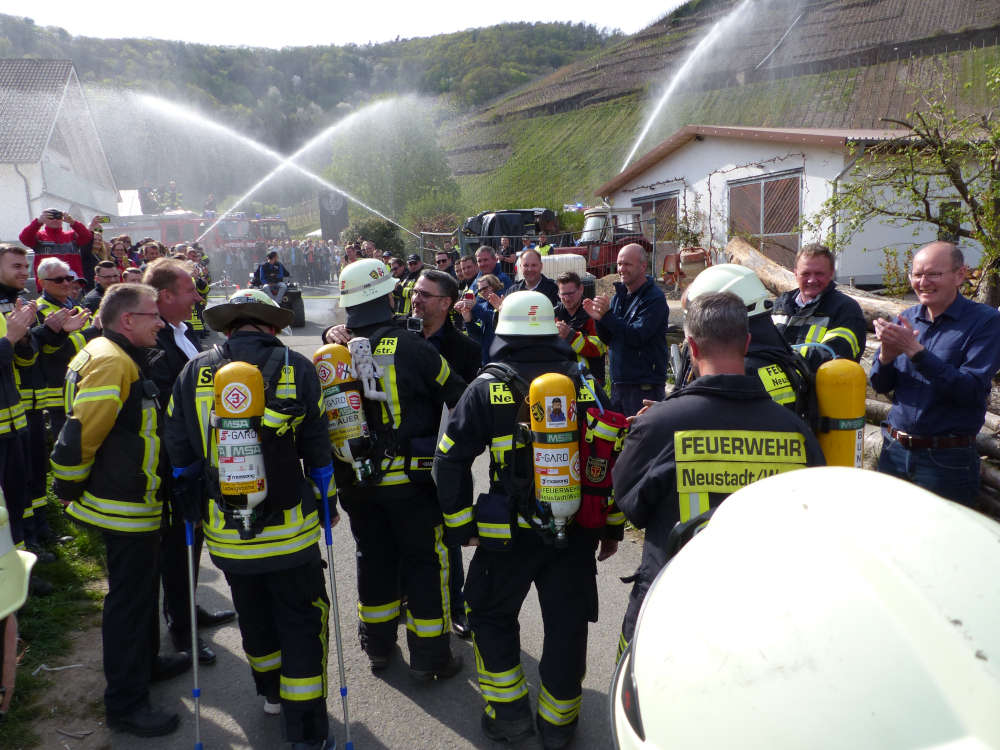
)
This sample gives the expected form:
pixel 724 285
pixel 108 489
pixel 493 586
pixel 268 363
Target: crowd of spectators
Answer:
pixel 937 359
pixel 308 261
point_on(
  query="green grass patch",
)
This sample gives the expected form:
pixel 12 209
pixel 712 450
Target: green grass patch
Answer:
pixel 559 158
pixel 46 622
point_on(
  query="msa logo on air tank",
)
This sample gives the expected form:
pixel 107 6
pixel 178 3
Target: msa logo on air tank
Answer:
pixel 722 461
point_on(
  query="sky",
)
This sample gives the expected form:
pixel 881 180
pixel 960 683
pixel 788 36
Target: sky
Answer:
pixel 296 23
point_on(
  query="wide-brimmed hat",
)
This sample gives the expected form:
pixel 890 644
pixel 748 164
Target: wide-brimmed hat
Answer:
pixel 15 569
pixel 248 304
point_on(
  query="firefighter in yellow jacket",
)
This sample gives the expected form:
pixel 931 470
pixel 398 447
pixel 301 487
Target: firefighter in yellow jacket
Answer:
pixel 104 465
pixel 263 537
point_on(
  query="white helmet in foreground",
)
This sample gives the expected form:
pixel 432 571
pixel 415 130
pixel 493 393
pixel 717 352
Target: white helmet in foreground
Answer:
pixel 732 277
pixel 822 608
pixel 363 281
pixel 526 314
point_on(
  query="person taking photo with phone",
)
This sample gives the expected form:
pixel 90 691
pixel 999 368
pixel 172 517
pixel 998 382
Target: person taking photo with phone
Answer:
pixel 46 236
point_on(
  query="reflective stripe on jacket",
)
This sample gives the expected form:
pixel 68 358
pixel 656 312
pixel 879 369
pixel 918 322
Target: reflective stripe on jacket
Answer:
pixel 106 458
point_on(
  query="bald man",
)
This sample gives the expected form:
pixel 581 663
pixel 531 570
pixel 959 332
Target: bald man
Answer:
pixel 634 326
pixel 938 358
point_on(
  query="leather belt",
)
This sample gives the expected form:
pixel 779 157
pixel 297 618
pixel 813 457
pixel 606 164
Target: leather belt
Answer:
pixel 923 442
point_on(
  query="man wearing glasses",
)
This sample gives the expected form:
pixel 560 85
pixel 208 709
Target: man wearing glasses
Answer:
pixel 104 466
pixel 443 262
pixel 577 328
pixel 938 358
pixel 63 331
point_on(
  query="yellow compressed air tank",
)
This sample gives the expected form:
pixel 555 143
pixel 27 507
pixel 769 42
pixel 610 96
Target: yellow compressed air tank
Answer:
pixel 556 447
pixel 342 401
pixel 239 398
pixel 840 394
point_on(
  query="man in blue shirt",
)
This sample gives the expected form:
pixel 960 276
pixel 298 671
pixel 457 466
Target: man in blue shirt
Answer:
pixel 272 271
pixel 634 326
pixel 939 359
pixel 486 259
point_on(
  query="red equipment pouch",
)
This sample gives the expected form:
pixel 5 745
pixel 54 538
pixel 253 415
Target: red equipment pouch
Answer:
pixel 602 441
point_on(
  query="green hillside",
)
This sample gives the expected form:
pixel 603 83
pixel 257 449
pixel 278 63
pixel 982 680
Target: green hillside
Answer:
pixel 821 64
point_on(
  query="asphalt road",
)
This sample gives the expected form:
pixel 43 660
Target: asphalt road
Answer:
pixel 389 711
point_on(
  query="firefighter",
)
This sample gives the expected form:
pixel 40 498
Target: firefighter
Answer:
pixel 270 556
pixel 104 467
pixel 514 543
pixel 59 334
pixel 16 321
pixel 784 373
pixel 717 433
pixel 55 277
pixel 395 518
pixel 817 312
pixel 201 284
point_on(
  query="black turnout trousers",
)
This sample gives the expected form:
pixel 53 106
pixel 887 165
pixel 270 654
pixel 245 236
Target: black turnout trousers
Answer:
pixel 399 537
pixel 130 627
pixel 284 623
pixel 495 588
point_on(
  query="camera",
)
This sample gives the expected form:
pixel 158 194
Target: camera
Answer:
pixel 103 219
pixel 54 213
pixel 416 325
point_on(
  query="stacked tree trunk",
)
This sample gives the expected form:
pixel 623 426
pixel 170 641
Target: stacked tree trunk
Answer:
pixel 778 279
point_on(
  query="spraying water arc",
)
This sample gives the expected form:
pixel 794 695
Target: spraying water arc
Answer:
pixel 169 108
pixel 720 27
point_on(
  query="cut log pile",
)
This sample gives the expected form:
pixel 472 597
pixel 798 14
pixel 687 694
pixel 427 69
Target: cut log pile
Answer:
pixel 779 279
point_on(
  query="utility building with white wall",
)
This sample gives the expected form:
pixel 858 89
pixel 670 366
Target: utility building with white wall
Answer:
pixel 715 183
pixel 50 153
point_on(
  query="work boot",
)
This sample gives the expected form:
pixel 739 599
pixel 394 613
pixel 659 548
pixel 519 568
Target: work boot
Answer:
pixel 450 669
pixel 182 642
pixel 44 556
pixel 460 625
pixel 507 730
pixel 272 705
pixel 208 619
pixel 330 743
pixel 378 662
pixel 39 586
pixel 555 737
pixel 145 721
pixel 168 667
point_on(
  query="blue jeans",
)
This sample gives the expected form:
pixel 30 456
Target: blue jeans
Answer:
pixel 627 397
pixel 952 473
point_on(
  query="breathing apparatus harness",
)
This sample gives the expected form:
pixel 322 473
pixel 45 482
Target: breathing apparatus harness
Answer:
pixel 276 434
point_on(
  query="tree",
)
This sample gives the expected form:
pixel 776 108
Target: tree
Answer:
pixel 382 233
pixel 388 156
pixel 943 170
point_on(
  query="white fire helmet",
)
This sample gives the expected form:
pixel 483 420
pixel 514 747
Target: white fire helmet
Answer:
pixel 732 277
pixel 15 569
pixel 820 608
pixel 527 314
pixel 363 281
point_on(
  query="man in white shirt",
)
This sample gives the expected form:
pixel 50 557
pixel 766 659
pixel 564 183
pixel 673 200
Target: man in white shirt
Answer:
pixel 176 343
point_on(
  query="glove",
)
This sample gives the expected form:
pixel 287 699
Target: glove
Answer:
pixel 188 489
pixel 322 477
